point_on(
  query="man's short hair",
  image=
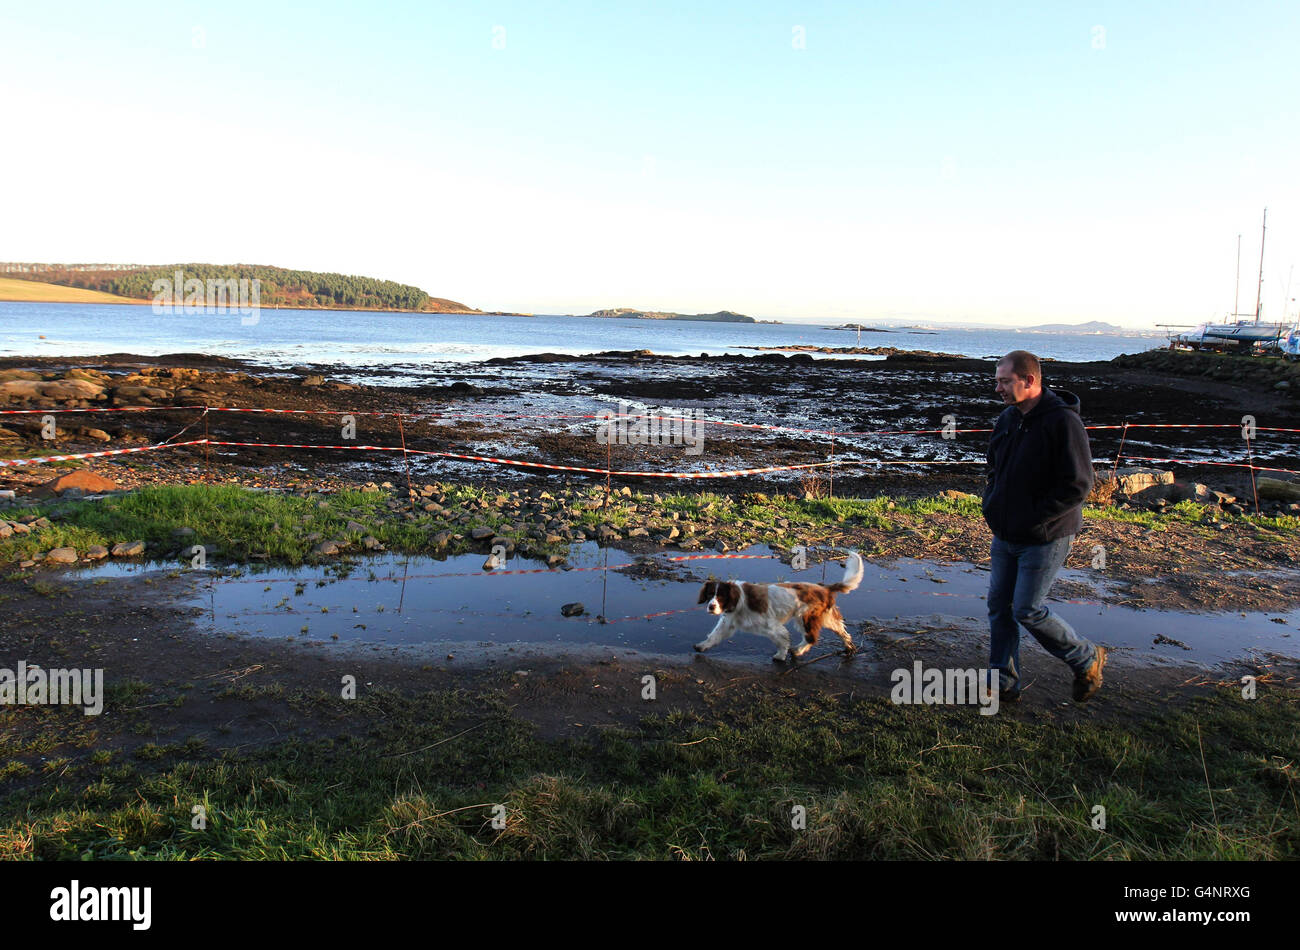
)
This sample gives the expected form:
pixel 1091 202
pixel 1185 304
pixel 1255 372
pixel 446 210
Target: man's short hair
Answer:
pixel 1023 363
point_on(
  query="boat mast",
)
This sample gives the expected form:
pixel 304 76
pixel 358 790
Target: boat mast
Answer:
pixel 1236 294
pixel 1260 291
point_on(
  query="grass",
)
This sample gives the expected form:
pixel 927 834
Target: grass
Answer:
pixel 400 781
pixel 875 780
pixel 12 288
pixel 237 524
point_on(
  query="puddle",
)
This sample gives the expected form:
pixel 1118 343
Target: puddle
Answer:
pixel 395 600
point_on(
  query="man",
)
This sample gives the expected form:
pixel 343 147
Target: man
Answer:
pixel 1039 473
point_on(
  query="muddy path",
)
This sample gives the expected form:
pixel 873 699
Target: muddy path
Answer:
pixel 171 678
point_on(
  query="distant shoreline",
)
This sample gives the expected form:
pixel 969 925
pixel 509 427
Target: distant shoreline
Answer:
pixel 73 296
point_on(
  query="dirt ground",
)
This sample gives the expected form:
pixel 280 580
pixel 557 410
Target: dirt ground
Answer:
pixel 235 691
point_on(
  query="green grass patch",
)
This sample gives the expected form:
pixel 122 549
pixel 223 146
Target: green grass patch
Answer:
pixel 871 779
pixel 237 524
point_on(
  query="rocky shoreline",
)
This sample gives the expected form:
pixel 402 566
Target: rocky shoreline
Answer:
pixel 494 409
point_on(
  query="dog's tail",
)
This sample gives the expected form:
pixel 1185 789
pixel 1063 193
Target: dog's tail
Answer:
pixel 853 571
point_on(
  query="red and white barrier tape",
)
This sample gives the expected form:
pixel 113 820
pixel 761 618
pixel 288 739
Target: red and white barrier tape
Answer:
pixel 45 412
pixel 737 473
pixel 501 461
pixel 94 455
pixel 437 416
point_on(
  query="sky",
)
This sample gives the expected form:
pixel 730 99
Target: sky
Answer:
pixel 1012 163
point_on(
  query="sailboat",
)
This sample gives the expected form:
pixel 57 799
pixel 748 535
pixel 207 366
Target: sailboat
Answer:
pixel 1239 334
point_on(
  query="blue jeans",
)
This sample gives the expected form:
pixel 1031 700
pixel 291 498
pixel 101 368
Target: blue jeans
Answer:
pixel 1022 575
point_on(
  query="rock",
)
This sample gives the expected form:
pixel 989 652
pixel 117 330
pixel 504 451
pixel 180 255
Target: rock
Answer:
pixel 441 539
pixel 638 533
pixel 96 552
pixel 54 389
pixel 313 380
pixel 952 495
pixel 325 548
pixel 136 393
pixel 83 479
pixel 1277 489
pixel 17 527
pixel 573 610
pixel 371 543
pixel 99 435
pixel 1178 491
pixel 8 435
pixel 1131 481
pixel 62 556
pixel 554 560
pixel 478 534
pixel 355 528
pixel 128 549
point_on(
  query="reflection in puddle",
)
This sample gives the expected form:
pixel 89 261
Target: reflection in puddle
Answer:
pixel 397 600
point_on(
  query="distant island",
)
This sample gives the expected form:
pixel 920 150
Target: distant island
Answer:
pixel 1092 326
pixel 722 316
pixel 278 287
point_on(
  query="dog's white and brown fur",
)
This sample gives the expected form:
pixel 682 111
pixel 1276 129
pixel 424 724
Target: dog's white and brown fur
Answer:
pixel 766 608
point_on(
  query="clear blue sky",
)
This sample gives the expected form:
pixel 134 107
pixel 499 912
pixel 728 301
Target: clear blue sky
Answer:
pixel 1004 162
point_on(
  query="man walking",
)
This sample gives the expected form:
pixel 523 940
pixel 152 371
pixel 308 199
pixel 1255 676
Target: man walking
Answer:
pixel 1039 473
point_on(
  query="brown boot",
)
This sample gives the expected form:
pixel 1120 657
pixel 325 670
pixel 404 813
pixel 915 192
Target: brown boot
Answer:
pixel 1088 682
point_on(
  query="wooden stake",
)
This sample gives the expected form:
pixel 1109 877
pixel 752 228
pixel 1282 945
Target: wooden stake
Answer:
pixel 1253 487
pixel 1114 472
pixel 410 492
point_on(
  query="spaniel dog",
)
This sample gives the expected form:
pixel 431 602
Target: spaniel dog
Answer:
pixel 766 608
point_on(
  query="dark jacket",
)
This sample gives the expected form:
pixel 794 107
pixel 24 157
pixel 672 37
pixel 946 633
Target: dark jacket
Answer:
pixel 1039 471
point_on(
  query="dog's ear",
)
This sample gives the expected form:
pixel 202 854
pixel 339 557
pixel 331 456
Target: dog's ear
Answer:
pixel 706 591
pixel 729 596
